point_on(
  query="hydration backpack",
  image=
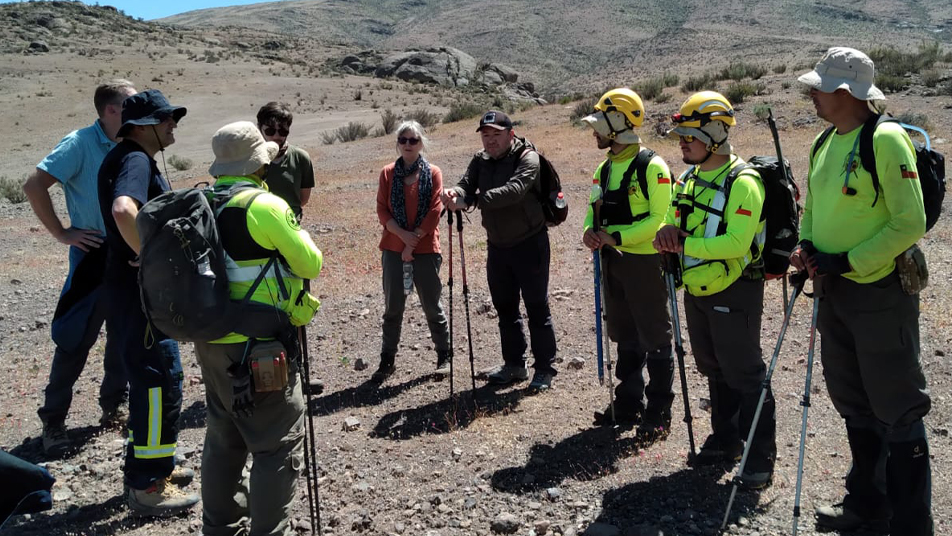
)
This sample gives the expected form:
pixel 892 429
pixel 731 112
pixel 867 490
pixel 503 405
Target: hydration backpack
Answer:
pixel 781 212
pixel 183 282
pixel 555 208
pixel 930 164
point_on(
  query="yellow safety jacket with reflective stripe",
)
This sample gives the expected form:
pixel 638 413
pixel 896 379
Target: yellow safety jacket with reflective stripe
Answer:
pixel 726 232
pixel 273 227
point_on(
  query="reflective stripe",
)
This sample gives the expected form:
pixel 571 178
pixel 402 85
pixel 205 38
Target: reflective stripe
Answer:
pixel 247 274
pixel 711 224
pixel 157 451
pixel 155 416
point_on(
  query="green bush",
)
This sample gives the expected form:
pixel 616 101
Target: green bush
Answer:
pixel 388 121
pixel 565 99
pixel 670 80
pixel 762 111
pixel 463 110
pixel 12 189
pixel 649 89
pixel 780 69
pixel 740 70
pixel 891 83
pixel 180 162
pixel 662 98
pixel 737 92
pixel 894 62
pixel 932 77
pixel 698 82
pixel 328 137
pixel 424 117
pixel 352 131
pixel 583 108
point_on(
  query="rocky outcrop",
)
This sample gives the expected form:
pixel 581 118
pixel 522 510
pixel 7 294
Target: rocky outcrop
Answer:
pixel 444 66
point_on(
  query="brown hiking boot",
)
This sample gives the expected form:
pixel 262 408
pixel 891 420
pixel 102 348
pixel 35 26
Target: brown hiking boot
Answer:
pixel 181 476
pixel 56 441
pixel 161 499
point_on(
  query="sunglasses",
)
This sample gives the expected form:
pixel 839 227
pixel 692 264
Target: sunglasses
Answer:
pixel 687 139
pixel 271 131
pixel 412 141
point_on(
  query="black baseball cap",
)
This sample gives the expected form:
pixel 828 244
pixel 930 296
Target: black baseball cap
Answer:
pixel 496 120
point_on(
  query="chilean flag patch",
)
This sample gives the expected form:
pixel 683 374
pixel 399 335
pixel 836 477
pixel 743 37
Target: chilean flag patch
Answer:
pixel 743 212
pixel 906 174
pixel 663 180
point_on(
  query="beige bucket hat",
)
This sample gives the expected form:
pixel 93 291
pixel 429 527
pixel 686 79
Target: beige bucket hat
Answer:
pixel 240 150
pixel 845 68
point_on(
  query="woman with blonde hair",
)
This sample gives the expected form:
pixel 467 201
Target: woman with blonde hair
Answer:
pixel 408 207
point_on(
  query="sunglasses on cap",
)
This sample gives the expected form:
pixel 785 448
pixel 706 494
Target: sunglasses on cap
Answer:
pixel 687 139
pixel 412 141
pixel 271 131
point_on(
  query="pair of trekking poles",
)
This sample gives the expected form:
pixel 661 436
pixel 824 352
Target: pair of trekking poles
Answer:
pixel 449 284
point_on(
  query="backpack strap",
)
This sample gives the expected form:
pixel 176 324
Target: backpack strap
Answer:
pixel 638 165
pixel 820 141
pixel 867 154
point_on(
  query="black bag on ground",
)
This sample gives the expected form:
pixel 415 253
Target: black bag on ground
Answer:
pixel 781 212
pixel 554 205
pixel 183 282
pixel 930 164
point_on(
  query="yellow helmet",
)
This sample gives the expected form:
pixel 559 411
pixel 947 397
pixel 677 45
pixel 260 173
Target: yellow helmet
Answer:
pixel 704 107
pixel 625 101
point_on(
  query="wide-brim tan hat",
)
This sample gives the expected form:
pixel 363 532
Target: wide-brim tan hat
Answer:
pixel 844 68
pixel 240 150
pixel 599 124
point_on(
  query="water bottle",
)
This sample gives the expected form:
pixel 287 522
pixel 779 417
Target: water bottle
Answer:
pixel 560 201
pixel 407 278
pixel 596 192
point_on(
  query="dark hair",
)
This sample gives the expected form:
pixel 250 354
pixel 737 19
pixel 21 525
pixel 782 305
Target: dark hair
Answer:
pixel 111 92
pixel 275 113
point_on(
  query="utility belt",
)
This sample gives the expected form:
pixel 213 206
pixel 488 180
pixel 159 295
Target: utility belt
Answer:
pixel 270 362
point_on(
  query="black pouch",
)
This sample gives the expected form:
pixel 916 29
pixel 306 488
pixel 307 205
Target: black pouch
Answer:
pixel 912 269
pixel 269 366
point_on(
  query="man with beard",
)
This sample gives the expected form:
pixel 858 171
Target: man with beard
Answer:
pixel 128 178
pixel 716 227
pixel 636 186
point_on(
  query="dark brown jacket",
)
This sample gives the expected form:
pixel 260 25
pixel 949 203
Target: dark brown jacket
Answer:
pixel 507 192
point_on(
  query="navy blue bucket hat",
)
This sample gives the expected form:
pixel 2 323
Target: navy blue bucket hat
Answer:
pixel 149 107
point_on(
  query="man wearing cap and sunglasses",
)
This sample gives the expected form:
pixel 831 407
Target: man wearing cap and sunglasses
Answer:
pixel 290 175
pixel 718 232
pixel 128 178
pixel 851 233
pixel 502 181
pixel 259 233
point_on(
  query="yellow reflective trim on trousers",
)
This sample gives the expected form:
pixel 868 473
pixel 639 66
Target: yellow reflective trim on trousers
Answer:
pixel 155 417
pixel 158 451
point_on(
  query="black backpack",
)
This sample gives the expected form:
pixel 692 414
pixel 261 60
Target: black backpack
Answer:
pixel 183 282
pixel 781 212
pixel 555 207
pixel 930 164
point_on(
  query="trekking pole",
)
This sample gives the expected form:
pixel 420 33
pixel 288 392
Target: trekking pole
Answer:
pixel 469 327
pixel 603 349
pixel 783 168
pixel 797 290
pixel 672 274
pixel 806 407
pixel 449 284
pixel 310 447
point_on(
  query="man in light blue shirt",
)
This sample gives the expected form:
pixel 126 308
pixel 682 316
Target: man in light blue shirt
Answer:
pixel 80 313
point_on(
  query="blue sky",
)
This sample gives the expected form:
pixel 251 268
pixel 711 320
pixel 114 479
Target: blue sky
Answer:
pixel 155 9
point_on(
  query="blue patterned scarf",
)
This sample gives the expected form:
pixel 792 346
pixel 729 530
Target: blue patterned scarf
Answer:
pixel 397 200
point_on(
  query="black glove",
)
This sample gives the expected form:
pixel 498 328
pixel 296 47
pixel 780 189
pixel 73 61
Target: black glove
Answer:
pixel 807 247
pixel 242 397
pixel 831 263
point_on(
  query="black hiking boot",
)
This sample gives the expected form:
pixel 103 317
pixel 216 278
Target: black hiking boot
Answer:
pixel 385 369
pixel 656 425
pixel 625 415
pixel 443 358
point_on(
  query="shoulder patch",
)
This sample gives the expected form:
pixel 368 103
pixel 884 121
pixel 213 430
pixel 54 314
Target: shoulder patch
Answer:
pixel 292 219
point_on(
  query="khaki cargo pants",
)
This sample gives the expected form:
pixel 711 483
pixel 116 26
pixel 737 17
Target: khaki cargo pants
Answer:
pixel 273 435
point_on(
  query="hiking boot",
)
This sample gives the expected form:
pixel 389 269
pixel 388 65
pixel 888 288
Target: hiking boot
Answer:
pixel 161 499
pixel 56 441
pixel 443 358
pixel 758 472
pixel 624 416
pixel 385 369
pixel 656 425
pixel 506 374
pixel 113 418
pixel 314 387
pixel 716 450
pixel 181 476
pixel 541 381
pixel 837 517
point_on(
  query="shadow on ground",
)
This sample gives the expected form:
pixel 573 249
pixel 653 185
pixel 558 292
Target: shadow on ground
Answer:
pixel 447 414
pixel 366 394
pixel 106 518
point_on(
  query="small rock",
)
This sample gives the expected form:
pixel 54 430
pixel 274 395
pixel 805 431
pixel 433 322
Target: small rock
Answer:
pixel 39 46
pixel 577 363
pixel 553 494
pixel 505 523
pixel 705 404
pixel 363 313
pixel 541 526
pixel 360 364
pixel 399 527
pixel 351 424
pixel 457 454
pixel 61 495
pixel 469 503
